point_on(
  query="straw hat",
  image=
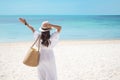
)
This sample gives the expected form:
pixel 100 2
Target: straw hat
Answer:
pixel 43 28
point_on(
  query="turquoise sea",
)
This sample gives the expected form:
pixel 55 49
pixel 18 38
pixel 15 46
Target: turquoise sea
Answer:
pixel 74 27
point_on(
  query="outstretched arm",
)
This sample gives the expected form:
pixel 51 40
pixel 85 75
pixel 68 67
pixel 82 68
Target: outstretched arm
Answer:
pixel 25 22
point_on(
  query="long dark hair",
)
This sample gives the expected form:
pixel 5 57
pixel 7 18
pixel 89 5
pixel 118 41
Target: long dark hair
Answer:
pixel 45 36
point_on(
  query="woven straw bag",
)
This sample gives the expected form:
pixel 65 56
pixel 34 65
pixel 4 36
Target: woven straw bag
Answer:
pixel 33 55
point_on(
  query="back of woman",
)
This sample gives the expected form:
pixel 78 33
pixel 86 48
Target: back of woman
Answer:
pixel 47 65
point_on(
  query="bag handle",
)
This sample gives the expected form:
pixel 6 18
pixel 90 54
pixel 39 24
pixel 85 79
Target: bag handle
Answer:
pixel 39 42
pixel 38 38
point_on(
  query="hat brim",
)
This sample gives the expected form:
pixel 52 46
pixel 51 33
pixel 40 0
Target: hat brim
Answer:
pixel 44 30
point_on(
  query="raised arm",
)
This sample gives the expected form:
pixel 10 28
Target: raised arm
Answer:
pixel 54 26
pixel 57 27
pixel 25 22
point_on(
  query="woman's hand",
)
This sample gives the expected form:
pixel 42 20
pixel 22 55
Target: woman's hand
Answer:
pixel 47 25
pixel 23 21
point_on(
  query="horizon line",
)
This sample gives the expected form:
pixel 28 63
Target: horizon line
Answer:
pixel 51 14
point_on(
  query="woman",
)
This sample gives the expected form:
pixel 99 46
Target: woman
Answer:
pixel 47 66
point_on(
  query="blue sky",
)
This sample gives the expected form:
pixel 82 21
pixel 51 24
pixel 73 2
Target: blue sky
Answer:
pixel 57 7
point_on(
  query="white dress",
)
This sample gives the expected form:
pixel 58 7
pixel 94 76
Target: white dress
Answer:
pixel 47 65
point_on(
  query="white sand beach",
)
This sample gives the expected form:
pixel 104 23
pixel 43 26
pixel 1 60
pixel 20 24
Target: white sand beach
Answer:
pixel 76 60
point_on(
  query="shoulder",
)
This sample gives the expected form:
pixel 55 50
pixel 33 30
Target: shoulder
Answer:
pixel 36 32
pixel 55 33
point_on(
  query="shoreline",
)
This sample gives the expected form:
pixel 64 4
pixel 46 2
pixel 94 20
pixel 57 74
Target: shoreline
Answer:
pixel 70 41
